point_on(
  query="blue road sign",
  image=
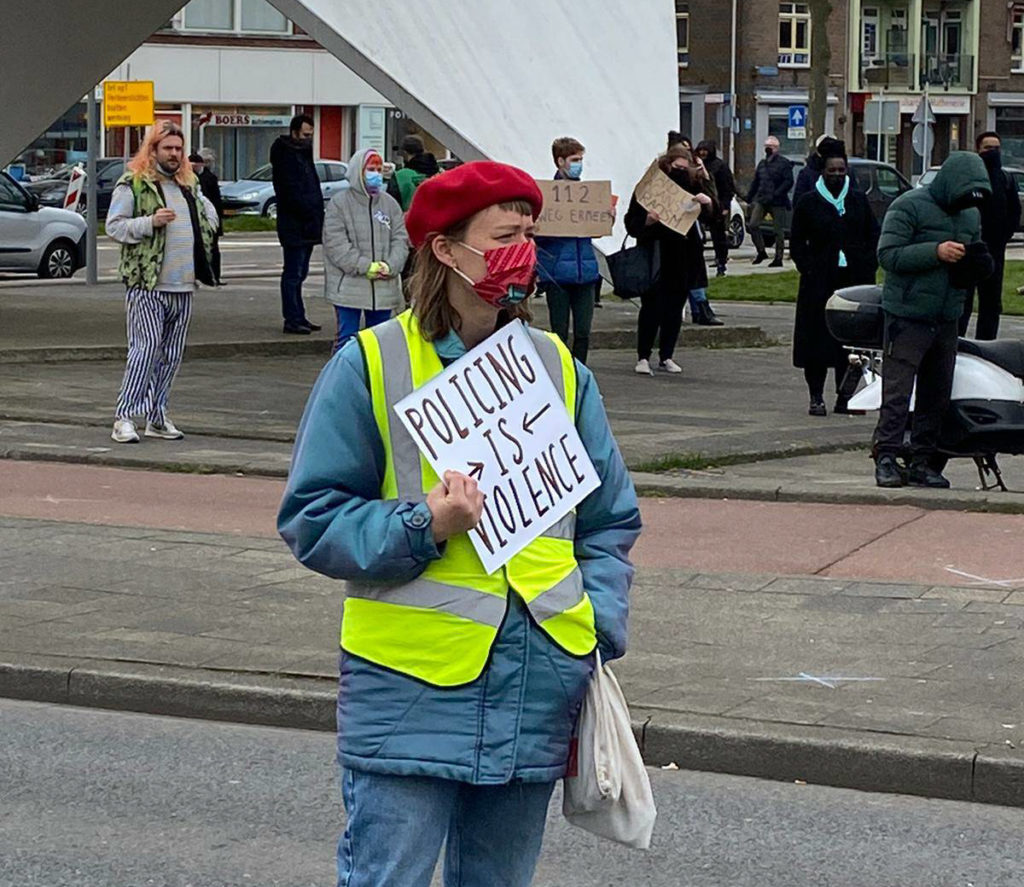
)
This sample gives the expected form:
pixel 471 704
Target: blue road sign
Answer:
pixel 797 116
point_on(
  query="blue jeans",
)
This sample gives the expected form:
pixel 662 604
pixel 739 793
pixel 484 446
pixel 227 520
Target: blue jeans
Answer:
pixel 296 269
pixel 397 825
pixel 348 322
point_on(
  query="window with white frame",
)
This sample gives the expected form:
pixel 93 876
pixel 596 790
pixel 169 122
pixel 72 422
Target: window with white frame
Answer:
pixel 236 16
pixel 794 35
pixel 1017 42
pixel 683 33
pixel 869 34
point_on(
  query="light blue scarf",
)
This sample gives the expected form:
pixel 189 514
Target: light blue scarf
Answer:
pixel 838 202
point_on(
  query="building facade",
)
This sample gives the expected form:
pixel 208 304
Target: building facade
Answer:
pixel 965 56
pixel 232 73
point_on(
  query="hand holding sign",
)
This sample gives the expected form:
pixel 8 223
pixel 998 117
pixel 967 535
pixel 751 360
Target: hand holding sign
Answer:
pixel 674 207
pixel 455 505
pixel 494 427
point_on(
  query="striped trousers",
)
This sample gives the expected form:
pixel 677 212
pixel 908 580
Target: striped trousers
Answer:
pixel 157 326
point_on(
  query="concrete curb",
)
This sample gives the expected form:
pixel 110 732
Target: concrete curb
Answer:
pixel 695 486
pixel 691 337
pixel 865 761
pixel 703 486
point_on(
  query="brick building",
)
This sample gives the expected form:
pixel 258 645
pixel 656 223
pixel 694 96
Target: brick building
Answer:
pixel 967 55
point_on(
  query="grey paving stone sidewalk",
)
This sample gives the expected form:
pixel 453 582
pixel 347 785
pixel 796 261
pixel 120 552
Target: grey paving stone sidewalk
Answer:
pixel 871 660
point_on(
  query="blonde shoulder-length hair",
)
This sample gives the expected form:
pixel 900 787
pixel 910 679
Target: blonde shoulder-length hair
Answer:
pixel 143 164
pixel 428 286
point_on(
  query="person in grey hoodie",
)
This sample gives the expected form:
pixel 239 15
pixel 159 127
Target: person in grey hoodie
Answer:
pixel 365 248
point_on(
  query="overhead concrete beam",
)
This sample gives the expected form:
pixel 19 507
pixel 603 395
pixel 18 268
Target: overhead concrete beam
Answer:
pixel 52 54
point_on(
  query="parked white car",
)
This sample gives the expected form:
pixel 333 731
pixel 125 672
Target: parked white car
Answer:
pixel 44 240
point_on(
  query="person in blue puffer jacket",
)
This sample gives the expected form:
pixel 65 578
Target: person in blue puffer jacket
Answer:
pixel 569 274
pixel 468 764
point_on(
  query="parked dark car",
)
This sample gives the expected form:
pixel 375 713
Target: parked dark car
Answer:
pixel 882 183
pixel 51 191
pixel 1016 173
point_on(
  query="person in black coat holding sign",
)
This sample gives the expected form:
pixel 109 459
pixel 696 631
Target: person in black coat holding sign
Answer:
pixel 834 245
pixel 661 309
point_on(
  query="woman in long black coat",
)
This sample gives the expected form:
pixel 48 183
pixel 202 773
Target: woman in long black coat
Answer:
pixel 834 245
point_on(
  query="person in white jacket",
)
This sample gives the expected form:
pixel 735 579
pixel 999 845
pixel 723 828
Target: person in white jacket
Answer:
pixel 365 248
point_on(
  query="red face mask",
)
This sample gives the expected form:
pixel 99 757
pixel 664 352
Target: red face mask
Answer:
pixel 511 274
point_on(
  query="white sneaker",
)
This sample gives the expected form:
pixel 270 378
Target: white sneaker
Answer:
pixel 643 368
pixel 167 431
pixel 670 366
pixel 124 431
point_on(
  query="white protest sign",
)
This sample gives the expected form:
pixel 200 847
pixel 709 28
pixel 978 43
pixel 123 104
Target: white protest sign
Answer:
pixel 495 415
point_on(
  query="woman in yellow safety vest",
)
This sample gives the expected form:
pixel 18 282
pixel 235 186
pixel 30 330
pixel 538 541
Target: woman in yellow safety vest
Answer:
pixel 459 689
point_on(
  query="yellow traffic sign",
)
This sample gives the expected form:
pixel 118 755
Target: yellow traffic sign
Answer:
pixel 128 103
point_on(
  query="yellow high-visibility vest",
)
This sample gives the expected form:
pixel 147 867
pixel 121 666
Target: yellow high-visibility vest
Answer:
pixel 440 627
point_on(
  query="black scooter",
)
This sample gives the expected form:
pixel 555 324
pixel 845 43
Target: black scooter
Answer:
pixel 986 410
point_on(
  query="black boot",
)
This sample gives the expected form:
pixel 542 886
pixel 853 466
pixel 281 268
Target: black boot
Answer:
pixel 921 474
pixel 720 270
pixel 704 316
pixel 776 262
pixel 817 407
pixel 759 258
pixel 888 472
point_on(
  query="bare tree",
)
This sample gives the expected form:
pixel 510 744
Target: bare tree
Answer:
pixel 821 61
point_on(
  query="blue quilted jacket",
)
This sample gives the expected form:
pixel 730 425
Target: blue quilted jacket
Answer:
pixel 515 721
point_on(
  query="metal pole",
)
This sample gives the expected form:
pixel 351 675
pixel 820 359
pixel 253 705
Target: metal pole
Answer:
pixel 732 93
pixel 91 269
pixel 881 115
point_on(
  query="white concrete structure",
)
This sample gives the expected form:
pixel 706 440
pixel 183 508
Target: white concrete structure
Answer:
pixel 487 77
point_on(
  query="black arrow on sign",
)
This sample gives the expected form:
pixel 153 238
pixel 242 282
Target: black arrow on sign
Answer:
pixel 476 469
pixel 528 422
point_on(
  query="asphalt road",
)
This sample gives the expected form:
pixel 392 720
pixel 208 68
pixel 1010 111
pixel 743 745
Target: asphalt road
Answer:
pixel 102 799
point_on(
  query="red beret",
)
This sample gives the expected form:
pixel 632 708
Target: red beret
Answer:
pixel 450 197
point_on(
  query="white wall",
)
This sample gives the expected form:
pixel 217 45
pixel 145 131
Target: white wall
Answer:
pixel 498 79
pixel 246 76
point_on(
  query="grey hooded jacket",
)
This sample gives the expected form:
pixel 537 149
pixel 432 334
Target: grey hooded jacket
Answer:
pixel 360 229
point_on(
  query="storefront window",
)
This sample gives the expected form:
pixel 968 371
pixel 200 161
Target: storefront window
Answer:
pixel 1010 126
pixel 778 126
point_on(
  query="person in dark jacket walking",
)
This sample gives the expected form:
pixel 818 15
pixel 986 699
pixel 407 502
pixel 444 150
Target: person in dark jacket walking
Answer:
pixel 834 243
pixel 769 196
pixel 300 216
pixel 567 266
pixel 419 166
pixel 661 309
pixel 932 252
pixel 202 166
pixel 725 190
pixel 1000 216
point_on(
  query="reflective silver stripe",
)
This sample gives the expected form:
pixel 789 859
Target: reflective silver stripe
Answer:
pixel 487 609
pixel 562 596
pixel 565 528
pixel 551 359
pixel 394 355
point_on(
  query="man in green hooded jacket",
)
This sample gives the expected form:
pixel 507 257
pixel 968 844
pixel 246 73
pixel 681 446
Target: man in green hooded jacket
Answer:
pixel 932 253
